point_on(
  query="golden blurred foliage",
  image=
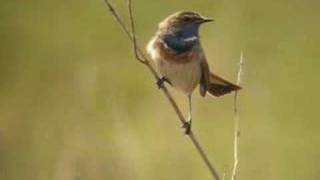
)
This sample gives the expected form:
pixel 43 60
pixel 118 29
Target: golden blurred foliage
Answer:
pixel 75 105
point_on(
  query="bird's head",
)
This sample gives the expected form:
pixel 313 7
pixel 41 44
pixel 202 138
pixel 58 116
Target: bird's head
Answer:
pixel 183 20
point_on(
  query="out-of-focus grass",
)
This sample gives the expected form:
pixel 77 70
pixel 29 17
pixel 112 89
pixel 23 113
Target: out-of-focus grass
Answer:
pixel 75 105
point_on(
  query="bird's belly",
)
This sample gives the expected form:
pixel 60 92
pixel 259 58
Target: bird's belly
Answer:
pixel 183 76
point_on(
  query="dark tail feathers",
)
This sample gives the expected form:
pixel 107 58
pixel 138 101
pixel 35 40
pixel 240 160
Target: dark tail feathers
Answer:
pixel 218 86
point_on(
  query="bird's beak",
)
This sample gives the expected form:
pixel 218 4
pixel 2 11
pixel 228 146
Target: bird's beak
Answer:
pixel 206 19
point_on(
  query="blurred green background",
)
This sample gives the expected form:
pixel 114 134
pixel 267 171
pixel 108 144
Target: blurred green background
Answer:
pixel 75 105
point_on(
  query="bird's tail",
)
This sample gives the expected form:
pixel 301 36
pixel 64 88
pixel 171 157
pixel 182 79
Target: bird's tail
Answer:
pixel 219 86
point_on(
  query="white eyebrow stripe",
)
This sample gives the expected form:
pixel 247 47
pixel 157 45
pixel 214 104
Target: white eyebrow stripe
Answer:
pixel 192 38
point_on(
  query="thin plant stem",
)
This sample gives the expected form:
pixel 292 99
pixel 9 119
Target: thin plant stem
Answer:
pixel 235 168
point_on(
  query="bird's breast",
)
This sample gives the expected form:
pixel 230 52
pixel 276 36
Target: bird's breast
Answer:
pixel 182 70
pixel 184 76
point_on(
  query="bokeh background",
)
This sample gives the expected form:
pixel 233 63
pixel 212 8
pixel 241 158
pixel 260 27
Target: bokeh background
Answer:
pixel 75 105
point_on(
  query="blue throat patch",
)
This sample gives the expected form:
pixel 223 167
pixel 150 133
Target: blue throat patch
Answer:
pixel 183 38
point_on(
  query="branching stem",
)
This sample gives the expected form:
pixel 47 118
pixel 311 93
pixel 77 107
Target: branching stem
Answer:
pixel 143 59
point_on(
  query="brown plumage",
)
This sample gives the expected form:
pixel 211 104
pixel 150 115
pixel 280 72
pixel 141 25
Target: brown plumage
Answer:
pixel 219 86
pixel 185 69
pixel 169 56
pixel 180 60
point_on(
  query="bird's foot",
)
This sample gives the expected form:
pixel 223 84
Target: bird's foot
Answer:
pixel 187 126
pixel 161 81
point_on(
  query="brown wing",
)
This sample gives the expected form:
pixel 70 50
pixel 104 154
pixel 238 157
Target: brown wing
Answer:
pixel 205 77
pixel 219 86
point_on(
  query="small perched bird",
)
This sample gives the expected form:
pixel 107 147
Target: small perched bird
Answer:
pixel 180 60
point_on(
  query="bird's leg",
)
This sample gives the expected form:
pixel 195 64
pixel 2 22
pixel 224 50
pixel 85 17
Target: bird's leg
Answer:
pixel 161 81
pixel 187 125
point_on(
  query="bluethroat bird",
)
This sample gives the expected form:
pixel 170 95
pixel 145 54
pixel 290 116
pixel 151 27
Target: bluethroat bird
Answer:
pixel 180 60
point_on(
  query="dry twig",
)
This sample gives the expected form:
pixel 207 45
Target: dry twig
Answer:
pixel 235 168
pixel 143 59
